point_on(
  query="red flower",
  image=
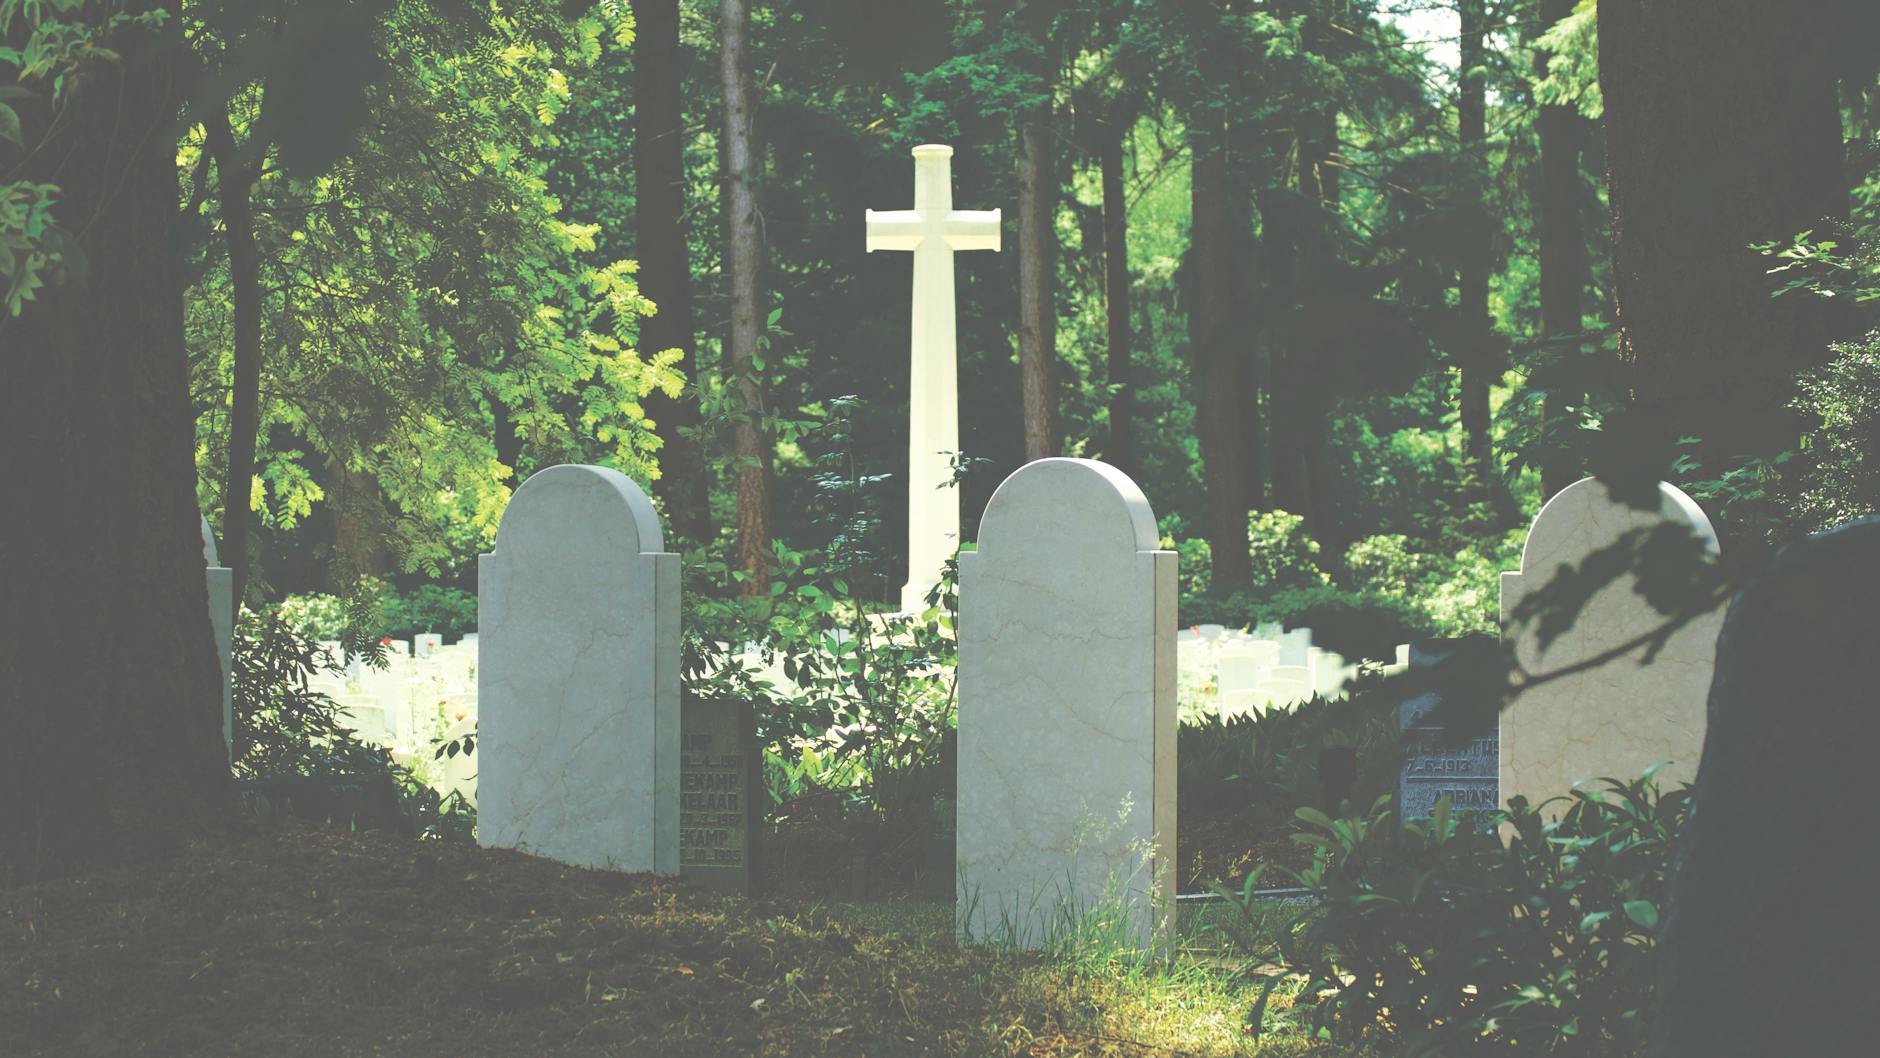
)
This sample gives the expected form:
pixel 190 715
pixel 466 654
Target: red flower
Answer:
pixel 386 642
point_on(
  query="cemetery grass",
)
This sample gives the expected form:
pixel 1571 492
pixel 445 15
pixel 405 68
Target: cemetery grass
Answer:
pixel 308 942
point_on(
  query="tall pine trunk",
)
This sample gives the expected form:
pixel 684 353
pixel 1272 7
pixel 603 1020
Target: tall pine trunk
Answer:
pixel 1037 275
pixel 744 258
pixel 1218 352
pixel 109 685
pixel 1562 260
pixel 1722 130
pixel 665 264
pixel 1121 451
pixel 1477 358
pixel 236 182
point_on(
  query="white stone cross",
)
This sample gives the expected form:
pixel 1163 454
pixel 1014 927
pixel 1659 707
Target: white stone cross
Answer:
pixel 932 231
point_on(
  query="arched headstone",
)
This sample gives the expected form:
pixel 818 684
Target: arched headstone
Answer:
pixel 1627 714
pixel 222 618
pixel 578 676
pixel 1066 805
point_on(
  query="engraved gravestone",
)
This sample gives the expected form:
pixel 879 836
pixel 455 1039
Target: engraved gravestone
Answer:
pixel 1066 772
pixel 578 676
pixel 1435 762
pixel 719 786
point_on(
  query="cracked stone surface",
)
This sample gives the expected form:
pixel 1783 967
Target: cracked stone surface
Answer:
pixel 1623 716
pixel 1066 805
pixel 578 676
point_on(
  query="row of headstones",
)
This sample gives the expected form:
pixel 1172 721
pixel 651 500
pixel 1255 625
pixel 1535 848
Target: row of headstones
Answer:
pixel 1067 720
pixel 1270 666
pixel 425 692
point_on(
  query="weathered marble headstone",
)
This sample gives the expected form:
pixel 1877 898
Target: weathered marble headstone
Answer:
pixel 719 787
pixel 426 645
pixel 1623 716
pixel 1436 763
pixel 578 676
pixel 222 619
pixel 1771 919
pixel 1066 810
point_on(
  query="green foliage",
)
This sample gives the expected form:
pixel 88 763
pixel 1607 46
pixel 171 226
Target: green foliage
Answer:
pixel 1268 763
pixel 286 730
pixel 1435 936
pixel 1843 476
pixel 283 727
pixel 1284 555
pixel 449 612
pixel 1457 593
pixel 316 616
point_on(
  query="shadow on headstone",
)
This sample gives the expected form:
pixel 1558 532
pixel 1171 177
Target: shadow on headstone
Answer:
pixel 1772 924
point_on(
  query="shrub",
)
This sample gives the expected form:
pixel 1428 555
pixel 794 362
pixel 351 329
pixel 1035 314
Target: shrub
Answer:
pixel 286 730
pixel 1284 556
pixel 1269 762
pixel 428 608
pixel 315 616
pixel 1438 935
pixel 1458 592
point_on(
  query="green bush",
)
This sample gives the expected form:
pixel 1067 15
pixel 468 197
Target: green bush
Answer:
pixel 316 616
pixel 1440 937
pixel 449 612
pixel 1457 592
pixel 1269 762
pixel 284 729
pixel 1284 556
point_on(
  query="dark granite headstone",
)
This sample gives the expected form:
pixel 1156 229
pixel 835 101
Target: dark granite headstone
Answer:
pixel 1772 929
pixel 1435 761
pixel 720 784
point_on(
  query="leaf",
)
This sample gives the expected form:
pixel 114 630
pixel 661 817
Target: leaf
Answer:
pixel 10 126
pixel 1642 912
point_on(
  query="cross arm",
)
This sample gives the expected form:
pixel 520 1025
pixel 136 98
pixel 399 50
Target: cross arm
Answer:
pixel 973 229
pixel 895 229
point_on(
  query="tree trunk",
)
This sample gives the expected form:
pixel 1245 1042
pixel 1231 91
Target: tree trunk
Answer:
pixel 1217 353
pixel 744 259
pixel 235 182
pixel 1037 279
pixel 1476 357
pixel 1562 260
pixel 110 691
pixel 665 265
pixel 1121 451
pixel 1722 130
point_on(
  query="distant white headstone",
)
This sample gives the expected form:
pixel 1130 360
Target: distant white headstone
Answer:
pixel 1623 716
pixel 577 757
pixel 222 619
pixel 424 646
pixel 1066 805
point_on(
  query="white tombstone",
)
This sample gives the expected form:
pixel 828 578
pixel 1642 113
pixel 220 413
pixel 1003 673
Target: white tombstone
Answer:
pixel 222 620
pixel 1211 631
pixel 578 686
pixel 933 230
pixel 1295 647
pixel 426 645
pixel 1287 685
pixel 1066 805
pixel 1623 716
pixel 460 770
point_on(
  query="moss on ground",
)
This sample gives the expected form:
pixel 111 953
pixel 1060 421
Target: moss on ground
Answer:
pixel 317 943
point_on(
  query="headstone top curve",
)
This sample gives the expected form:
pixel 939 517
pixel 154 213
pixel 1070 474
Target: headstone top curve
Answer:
pixel 933 150
pixel 1094 483
pixel 644 518
pixel 210 557
pixel 1578 508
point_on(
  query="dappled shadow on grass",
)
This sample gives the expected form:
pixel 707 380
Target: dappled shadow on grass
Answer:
pixel 318 943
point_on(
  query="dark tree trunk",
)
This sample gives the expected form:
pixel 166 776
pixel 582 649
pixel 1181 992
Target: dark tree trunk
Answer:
pixel 1217 354
pixel 744 259
pixel 665 265
pixel 1476 356
pixel 1562 259
pixel 110 692
pixel 1722 130
pixel 236 180
pixel 1037 279
pixel 1121 451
